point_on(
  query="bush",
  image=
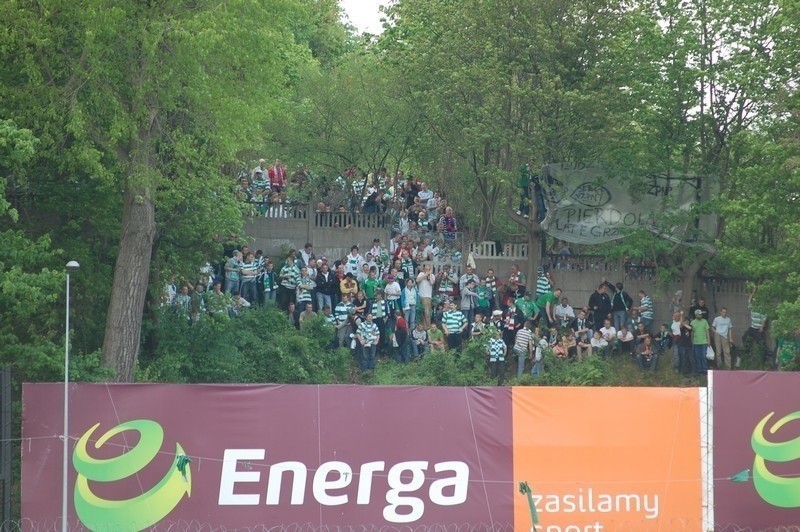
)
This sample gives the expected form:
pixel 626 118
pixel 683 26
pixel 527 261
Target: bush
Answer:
pixel 258 346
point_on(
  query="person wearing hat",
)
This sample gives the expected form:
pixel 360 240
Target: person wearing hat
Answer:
pixel 701 339
pixel 497 320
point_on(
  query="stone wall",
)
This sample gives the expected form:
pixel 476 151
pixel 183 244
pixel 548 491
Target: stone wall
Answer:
pixel 332 234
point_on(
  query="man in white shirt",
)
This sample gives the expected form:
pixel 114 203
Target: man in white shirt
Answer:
pixel 307 254
pixel 564 313
pixel 723 338
pixel 425 193
pixel 425 281
pixel 354 262
pixel 609 333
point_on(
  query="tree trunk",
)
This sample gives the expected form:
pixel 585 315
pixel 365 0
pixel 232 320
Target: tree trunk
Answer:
pixel 131 276
pixel 534 254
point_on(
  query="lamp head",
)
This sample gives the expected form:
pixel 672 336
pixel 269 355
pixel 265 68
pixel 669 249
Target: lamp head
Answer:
pixel 73 266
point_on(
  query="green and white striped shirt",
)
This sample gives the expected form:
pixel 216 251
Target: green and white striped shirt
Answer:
pixel 496 349
pixel 454 320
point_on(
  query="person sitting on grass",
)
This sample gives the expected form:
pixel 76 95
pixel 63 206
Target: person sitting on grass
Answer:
pixel 625 340
pixel 599 345
pixel 420 344
pixel 436 337
pixel 647 355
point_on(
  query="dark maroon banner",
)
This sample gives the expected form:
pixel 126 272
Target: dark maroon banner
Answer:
pixel 297 457
pixel 756 450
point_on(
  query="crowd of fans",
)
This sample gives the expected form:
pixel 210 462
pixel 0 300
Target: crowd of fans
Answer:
pixel 271 190
pixel 407 297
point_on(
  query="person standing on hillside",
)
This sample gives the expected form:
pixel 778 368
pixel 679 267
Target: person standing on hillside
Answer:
pixel 621 303
pixel 289 276
pixel 277 176
pixel 646 310
pixel 600 305
pixel 425 281
pixel 544 282
pixel 547 303
pixel 233 268
pixel 723 338
pixel 701 339
pixel 454 324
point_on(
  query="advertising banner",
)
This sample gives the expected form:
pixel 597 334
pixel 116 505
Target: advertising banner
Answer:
pixel 362 458
pixel 756 450
pixel 591 207
pixel 609 458
pixel 280 457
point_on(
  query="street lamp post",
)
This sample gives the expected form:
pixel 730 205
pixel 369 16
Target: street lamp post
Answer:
pixel 72 267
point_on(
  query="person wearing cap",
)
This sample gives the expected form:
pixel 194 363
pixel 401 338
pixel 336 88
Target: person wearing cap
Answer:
pixel 701 339
pixel 497 320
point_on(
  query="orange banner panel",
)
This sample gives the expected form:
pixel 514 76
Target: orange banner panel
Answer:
pixel 608 458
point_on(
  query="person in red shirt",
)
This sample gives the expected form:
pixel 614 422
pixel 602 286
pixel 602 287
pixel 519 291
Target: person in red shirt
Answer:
pixel 401 337
pixel 277 176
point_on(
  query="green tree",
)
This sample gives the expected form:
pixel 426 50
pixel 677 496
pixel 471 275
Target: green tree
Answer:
pixel 353 114
pixel 706 73
pixel 501 84
pixel 148 101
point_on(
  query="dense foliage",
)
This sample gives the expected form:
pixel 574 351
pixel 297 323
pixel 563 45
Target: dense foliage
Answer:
pixel 123 124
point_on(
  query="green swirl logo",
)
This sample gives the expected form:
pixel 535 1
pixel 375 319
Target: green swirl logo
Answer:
pixel 139 512
pixel 776 490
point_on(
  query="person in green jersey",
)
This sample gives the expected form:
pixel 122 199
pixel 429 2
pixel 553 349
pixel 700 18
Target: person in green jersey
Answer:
pixel 547 303
pixel 526 305
pixel 701 339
